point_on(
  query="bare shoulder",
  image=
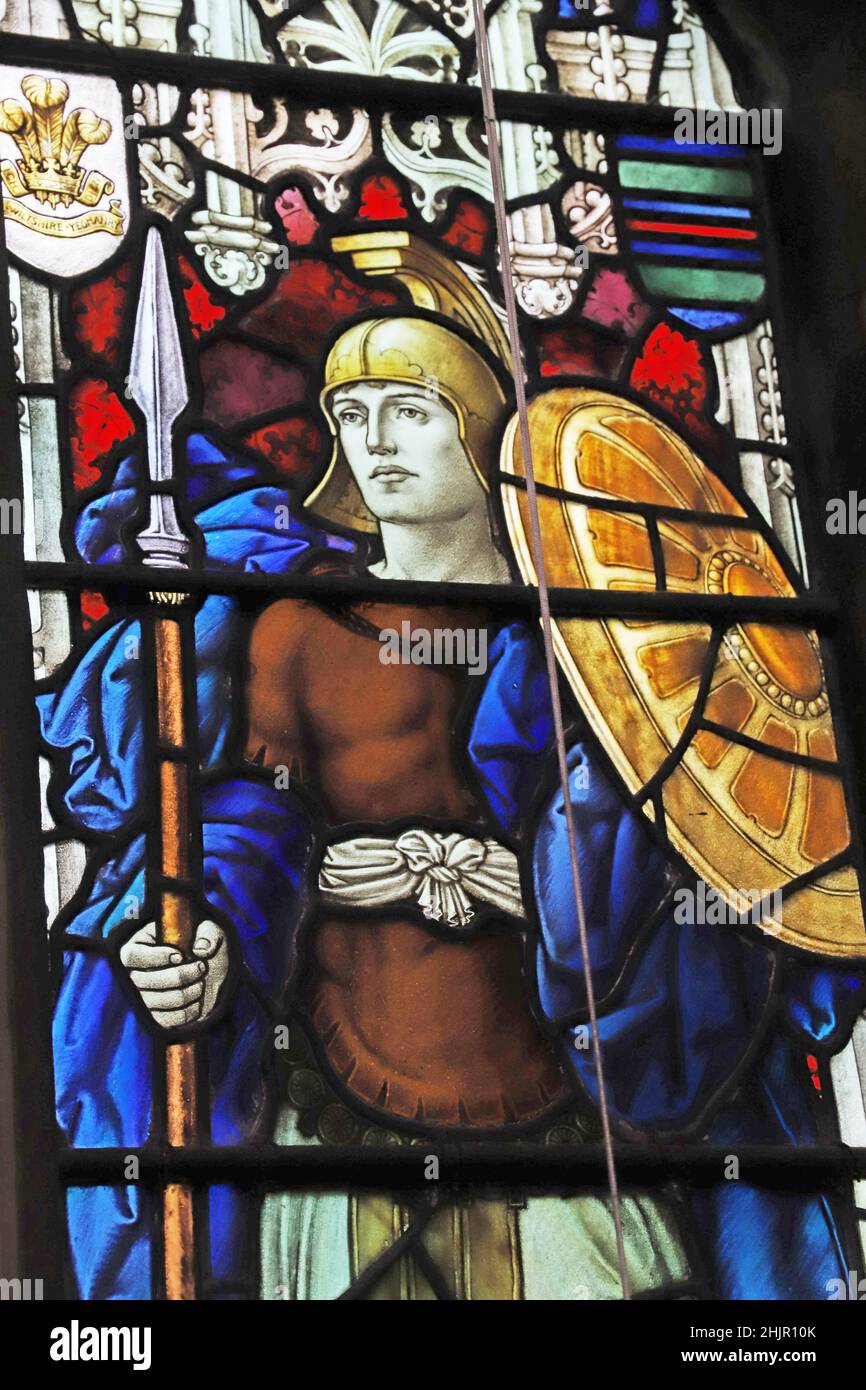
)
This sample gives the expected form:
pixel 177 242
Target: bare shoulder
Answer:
pixel 279 633
pixel 275 674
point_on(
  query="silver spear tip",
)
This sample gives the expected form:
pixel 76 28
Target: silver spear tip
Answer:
pixel 157 382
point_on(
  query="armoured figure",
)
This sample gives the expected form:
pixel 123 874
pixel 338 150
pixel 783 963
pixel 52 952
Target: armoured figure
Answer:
pixel 393 856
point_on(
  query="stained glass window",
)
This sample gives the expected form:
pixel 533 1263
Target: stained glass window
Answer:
pixel 322 1025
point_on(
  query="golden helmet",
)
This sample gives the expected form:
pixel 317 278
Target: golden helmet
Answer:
pixel 427 355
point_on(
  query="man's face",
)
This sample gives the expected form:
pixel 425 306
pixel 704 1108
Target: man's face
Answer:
pixel 405 453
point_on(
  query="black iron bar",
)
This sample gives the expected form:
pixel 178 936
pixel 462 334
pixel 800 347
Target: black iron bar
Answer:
pixel 127 582
pixel 470 1164
pixel 308 86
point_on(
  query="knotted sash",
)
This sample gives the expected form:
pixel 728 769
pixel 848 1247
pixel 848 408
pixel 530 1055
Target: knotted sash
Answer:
pixel 441 872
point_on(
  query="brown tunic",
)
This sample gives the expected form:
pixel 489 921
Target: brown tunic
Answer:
pixel 417 1023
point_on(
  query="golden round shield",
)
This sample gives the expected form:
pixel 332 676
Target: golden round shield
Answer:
pixel 746 815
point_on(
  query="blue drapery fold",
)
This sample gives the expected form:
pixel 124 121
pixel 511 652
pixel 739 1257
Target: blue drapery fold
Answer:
pixel 94 718
pixel 687 1017
pixel 256 843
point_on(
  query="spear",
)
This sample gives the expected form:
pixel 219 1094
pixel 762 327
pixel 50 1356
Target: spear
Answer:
pixel 157 383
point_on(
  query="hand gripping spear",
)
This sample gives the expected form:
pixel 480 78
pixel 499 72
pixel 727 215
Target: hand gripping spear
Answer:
pixel 157 383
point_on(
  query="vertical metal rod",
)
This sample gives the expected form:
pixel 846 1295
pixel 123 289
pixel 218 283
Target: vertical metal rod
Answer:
pixel 483 52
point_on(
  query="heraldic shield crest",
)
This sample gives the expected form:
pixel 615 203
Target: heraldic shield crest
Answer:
pixel 731 730
pixel 63 165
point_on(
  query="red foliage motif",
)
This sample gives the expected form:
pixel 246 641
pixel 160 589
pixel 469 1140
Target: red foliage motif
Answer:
pixel 578 352
pixel 815 1074
pixel 98 313
pixel 669 369
pixel 203 312
pixel 97 421
pixel 241 381
pixel 98 309
pixel 93 607
pixel 299 222
pixel 469 228
pixel 308 302
pixel 380 199
pixel 291 445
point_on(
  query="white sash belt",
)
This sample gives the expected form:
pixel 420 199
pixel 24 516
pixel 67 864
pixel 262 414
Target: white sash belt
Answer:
pixel 441 872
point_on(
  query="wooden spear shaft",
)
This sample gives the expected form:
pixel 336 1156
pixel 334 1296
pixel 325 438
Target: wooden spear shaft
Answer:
pixel 176 928
pixel 157 382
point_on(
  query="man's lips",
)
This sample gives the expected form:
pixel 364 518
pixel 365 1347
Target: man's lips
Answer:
pixel 391 470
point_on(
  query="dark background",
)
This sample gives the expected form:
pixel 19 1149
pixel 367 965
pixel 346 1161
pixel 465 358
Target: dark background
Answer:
pixel 809 58
pixel 806 57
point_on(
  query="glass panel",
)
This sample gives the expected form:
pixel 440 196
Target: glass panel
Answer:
pixel 631 50
pixel 599 275
pixel 636 50
pixel 359 852
pixel 378 1246
pixel 263 345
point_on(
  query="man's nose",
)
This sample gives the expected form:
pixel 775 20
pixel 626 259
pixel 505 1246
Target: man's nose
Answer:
pixel 377 440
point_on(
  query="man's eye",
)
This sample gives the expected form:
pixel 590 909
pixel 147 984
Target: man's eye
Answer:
pixel 409 412
pixel 350 417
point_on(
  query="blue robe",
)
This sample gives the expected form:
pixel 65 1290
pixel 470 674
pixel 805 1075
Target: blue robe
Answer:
pixel 680 1006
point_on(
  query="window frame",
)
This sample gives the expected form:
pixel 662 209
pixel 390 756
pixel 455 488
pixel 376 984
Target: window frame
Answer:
pixel 33 1223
